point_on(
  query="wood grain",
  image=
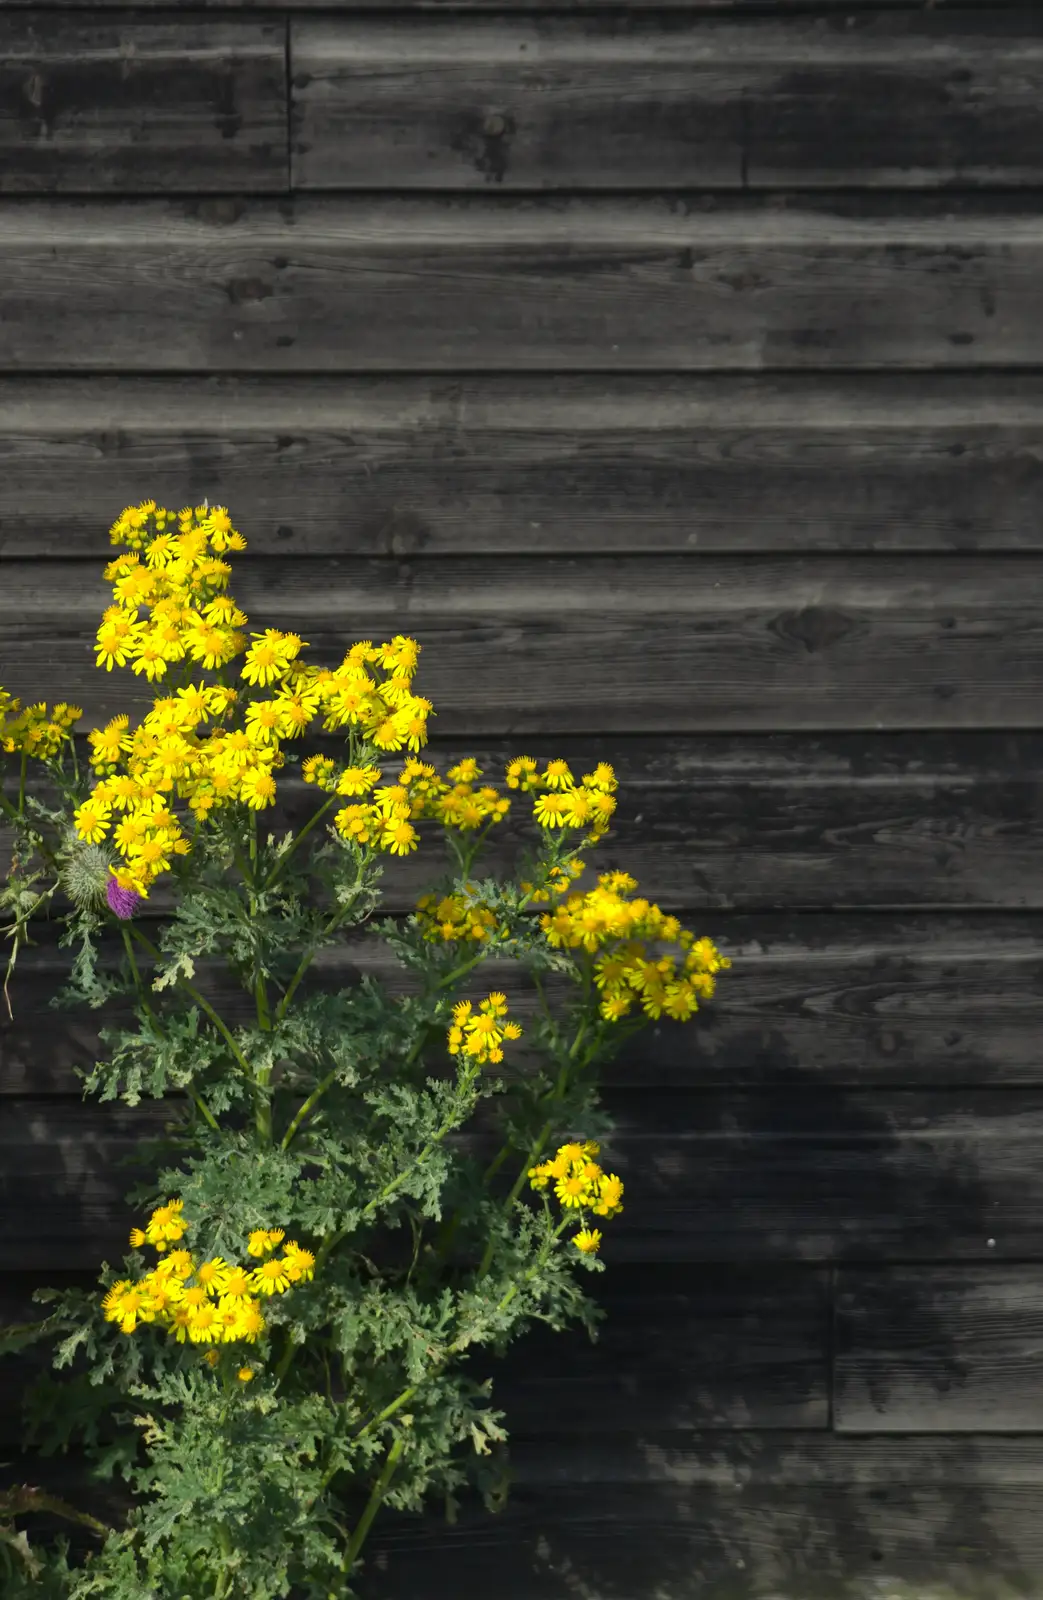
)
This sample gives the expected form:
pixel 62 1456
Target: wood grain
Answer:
pixel 731 1350
pixel 497 282
pixel 810 999
pixel 93 106
pixel 553 646
pixel 522 465
pixel 729 1516
pixel 783 821
pixel 667 102
pixel 771 1176
pixel 939 1350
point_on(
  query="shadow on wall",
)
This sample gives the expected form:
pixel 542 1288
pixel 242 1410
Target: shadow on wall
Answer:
pixel 772 1410
pixel 784 1403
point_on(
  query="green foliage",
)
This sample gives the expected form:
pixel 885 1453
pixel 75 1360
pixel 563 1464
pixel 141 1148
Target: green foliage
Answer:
pixel 347 1118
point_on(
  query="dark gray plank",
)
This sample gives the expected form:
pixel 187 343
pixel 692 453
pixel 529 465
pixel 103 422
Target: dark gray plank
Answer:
pixel 493 282
pixel 809 999
pixel 725 1516
pixel 550 645
pixel 65 1167
pixel 832 1176
pixel 667 101
pixel 727 1350
pixel 771 821
pixel 93 105
pixel 697 7
pixel 523 465
pixel 677 1350
pixel 939 1350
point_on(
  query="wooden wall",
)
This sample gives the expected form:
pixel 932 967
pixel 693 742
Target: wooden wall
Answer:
pixel 676 378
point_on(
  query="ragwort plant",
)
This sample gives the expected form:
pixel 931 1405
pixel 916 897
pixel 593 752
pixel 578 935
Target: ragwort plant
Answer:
pixel 288 1344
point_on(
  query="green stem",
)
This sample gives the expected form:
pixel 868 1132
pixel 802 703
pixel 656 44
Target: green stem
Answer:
pixel 224 1581
pixel 201 1001
pixel 373 1504
pixel 21 784
pixel 280 866
pixel 307 959
pixel 201 1106
pixel 470 1074
pixel 315 1096
pixel 456 1346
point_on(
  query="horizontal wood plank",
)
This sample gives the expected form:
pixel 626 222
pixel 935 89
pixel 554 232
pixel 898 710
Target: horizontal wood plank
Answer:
pixel 809 999
pixel 832 1176
pixel 727 1350
pixel 667 101
pixel 720 1517
pixel 553 646
pixel 707 7
pixel 770 821
pixel 939 1350
pixel 522 465
pixel 101 106
pixel 493 282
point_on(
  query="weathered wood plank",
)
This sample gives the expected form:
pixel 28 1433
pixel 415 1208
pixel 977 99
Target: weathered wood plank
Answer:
pixel 491 282
pixel 833 1176
pixel 667 101
pixel 728 1517
pixel 516 465
pixel 708 7
pixel 725 1517
pixel 730 1350
pixel 939 1350
pixel 65 1168
pixel 771 821
pixel 810 999
pixel 552 646
pixel 720 1349
pixel 93 105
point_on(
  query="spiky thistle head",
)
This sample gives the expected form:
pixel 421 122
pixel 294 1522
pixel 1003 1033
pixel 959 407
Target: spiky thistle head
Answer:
pixel 85 873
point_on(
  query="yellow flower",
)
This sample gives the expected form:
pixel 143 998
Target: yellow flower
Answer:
pixel 399 838
pixel 557 775
pixel 204 1324
pixel 587 1240
pixel 245 1374
pixel 91 820
pixel 213 1274
pixel 610 1194
pixel 271 1277
pixel 268 658
pixel 257 787
pixel 549 810
pixel 300 1264
pixel 107 743
pixel 236 1285
pixel 357 780
pixel 137 1238
pixel 251 1321
pixel 264 1239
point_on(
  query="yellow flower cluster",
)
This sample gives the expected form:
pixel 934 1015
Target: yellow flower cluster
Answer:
pixel 566 804
pixel 481 1035
pixel 204 1302
pixel 456 916
pixel 581 1185
pixel 34 731
pixel 625 972
pixel 179 580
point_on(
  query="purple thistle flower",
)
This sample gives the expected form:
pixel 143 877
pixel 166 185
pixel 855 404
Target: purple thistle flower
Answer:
pixel 123 901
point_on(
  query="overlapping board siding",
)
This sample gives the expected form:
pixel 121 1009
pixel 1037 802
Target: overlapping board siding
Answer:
pixel 675 377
